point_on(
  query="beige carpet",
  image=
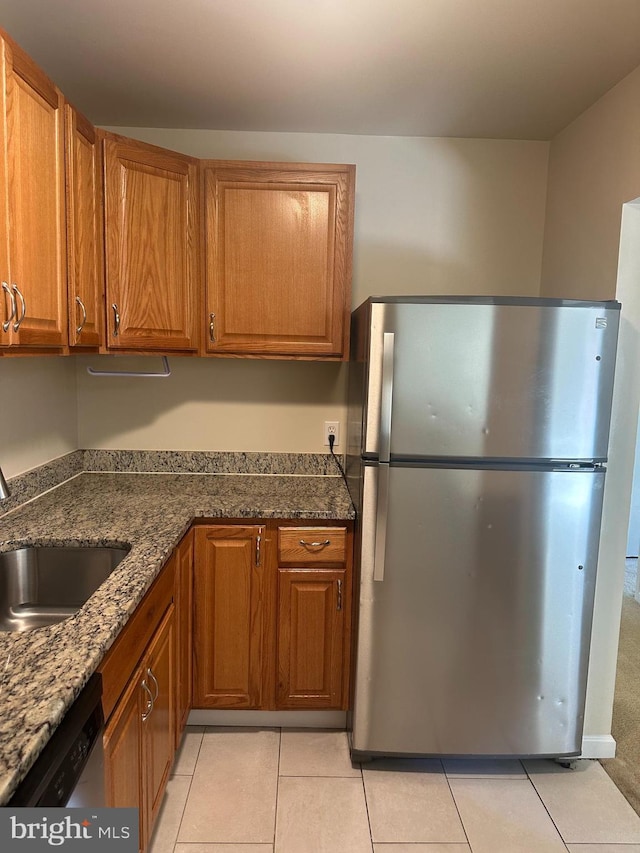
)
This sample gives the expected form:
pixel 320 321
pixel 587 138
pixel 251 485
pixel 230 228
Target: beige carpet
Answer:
pixel 624 769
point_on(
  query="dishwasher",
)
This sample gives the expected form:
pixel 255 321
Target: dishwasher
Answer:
pixel 70 770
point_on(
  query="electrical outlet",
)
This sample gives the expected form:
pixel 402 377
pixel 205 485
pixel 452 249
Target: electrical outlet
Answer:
pixel 331 428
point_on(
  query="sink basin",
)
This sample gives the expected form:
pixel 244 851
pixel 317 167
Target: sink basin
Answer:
pixel 42 585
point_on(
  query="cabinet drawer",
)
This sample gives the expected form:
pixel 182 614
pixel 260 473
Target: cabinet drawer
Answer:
pixel 300 546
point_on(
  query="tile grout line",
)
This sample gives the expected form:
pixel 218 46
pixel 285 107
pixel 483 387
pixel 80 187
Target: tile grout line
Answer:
pixel 275 817
pixel 366 805
pixel 453 797
pixel 186 799
pixel 544 805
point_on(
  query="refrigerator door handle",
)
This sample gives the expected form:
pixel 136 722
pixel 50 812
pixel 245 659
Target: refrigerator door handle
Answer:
pixel 382 507
pixel 386 396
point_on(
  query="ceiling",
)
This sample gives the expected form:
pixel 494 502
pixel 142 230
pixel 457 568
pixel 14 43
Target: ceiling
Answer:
pixel 512 69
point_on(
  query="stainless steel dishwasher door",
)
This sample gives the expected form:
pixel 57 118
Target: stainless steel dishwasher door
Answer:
pixel 70 769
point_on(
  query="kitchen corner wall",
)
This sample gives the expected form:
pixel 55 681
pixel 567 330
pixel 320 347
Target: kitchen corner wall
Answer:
pixel 594 168
pixel 39 411
pixel 459 216
pixel 594 171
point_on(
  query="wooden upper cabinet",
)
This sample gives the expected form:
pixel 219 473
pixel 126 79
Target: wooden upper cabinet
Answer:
pixel 278 258
pixel 33 252
pixel 84 231
pixel 151 247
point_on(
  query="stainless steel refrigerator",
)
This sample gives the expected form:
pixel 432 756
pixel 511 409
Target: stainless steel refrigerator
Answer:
pixel 477 443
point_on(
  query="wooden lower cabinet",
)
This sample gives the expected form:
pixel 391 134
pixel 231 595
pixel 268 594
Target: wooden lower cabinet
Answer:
pixel 158 721
pixel 123 753
pixel 139 700
pixel 312 609
pixel 184 631
pixel 272 605
pixel 258 613
pixel 229 592
pixel 139 738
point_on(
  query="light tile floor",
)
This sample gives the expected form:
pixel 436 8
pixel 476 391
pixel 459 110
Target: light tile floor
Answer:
pixel 239 790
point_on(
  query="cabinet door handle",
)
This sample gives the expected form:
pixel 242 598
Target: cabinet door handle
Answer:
pixel 258 554
pixel 84 315
pixel 212 328
pixel 12 302
pixel 315 544
pixel 339 602
pixel 23 304
pixel 116 320
pixel 156 686
pixel 149 708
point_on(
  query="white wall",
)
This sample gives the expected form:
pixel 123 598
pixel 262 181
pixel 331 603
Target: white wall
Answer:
pixel 594 168
pixel 432 216
pixel 617 493
pixel 39 401
pixel 211 404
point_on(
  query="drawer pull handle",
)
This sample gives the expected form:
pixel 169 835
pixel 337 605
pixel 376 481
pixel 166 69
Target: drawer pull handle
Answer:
pixel 19 320
pixel 116 320
pixel 12 303
pixel 156 686
pixel 149 708
pixel 339 603
pixel 315 544
pixel 84 315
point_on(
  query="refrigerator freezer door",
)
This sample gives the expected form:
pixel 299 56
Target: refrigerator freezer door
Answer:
pixel 476 641
pixel 490 381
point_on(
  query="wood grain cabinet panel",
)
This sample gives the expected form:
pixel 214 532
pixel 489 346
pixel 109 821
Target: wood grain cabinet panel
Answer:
pixel 123 754
pixel 184 631
pixel 311 631
pixel 271 635
pixel 159 722
pixel 302 546
pixel 84 231
pixel 229 611
pixel 33 254
pixel 278 258
pixel 151 247
pixel 140 730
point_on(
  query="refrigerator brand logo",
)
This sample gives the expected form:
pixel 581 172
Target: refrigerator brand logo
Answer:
pixel 37 829
pixel 601 322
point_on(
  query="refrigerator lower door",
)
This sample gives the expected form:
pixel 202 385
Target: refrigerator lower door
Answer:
pixel 475 641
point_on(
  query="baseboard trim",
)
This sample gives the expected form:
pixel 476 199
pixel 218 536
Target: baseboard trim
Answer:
pixel 598 746
pixel 283 719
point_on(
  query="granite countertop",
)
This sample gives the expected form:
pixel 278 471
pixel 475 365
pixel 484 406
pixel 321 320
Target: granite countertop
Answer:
pixel 42 671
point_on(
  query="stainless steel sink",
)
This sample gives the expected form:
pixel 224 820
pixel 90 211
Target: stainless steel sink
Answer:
pixel 42 585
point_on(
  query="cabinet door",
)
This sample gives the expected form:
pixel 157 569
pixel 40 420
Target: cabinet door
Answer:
pixel 151 247
pixel 311 632
pixel 229 612
pixel 35 205
pixel 123 753
pixel 159 725
pixel 278 258
pixel 184 629
pixel 84 231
